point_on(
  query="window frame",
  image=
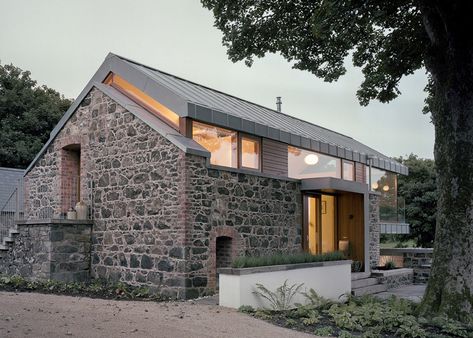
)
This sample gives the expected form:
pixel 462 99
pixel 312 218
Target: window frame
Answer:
pixel 240 151
pixel 353 171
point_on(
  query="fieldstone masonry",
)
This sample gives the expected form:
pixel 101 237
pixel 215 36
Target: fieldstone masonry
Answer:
pixel 158 211
pixel 50 250
pixel 374 229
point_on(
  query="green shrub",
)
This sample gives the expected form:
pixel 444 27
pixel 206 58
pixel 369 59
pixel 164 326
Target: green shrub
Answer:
pixel 246 309
pixel 390 265
pixel 279 259
pixel 281 299
pixel 324 331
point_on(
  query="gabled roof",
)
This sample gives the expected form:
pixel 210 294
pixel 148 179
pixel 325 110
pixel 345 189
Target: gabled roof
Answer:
pixel 8 183
pixel 189 99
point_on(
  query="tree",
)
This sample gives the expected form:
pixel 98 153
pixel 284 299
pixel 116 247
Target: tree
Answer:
pixel 28 113
pixel 419 190
pixel 388 40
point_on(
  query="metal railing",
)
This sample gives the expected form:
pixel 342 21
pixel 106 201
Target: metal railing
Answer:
pixel 12 210
pixel 38 200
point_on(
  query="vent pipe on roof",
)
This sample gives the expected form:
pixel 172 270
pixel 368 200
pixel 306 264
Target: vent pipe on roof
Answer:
pixel 278 103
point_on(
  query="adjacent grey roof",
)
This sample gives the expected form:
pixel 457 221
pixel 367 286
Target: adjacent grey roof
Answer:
pixel 9 181
pixel 188 99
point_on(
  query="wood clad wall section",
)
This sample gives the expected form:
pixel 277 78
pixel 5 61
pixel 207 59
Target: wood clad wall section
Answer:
pixel 351 223
pixel 360 172
pixel 274 157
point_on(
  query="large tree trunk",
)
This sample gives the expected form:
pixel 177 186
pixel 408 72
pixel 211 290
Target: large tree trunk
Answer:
pixel 450 64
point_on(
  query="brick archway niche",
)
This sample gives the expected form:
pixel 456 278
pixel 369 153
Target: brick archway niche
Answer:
pixel 225 244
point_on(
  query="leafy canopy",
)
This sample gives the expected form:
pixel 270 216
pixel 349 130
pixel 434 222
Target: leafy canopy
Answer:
pixel 385 38
pixel 28 113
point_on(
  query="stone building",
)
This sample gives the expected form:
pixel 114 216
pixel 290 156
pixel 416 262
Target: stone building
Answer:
pixel 179 179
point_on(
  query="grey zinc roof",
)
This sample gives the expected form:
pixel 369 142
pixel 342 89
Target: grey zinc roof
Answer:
pixel 8 183
pixel 220 108
pixel 189 99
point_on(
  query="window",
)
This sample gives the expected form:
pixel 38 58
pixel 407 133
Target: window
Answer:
pixel 385 182
pixel 220 142
pixel 348 171
pixel 308 164
pixel 143 99
pixel 250 152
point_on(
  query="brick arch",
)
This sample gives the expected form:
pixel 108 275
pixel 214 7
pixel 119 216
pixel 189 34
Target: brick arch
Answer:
pixel 236 244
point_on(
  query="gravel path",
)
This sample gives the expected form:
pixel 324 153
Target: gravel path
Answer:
pixel 37 315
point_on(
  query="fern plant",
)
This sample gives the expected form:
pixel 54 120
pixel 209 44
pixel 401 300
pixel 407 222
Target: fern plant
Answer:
pixel 281 299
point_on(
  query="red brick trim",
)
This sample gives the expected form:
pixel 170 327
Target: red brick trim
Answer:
pixel 237 242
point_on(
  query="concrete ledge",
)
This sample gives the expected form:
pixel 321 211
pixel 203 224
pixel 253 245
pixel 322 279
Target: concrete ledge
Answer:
pixel 55 221
pixel 394 272
pixel 400 251
pixel 283 267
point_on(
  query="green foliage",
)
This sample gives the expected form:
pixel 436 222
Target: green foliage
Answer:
pixel 281 299
pixel 95 288
pixel 452 327
pixel 419 190
pixel 356 266
pixel 278 259
pixel 387 39
pixel 28 113
pixel 315 301
pixel 324 331
pixel 390 265
pixel 246 309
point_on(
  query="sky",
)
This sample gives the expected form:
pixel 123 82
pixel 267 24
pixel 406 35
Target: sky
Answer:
pixel 63 43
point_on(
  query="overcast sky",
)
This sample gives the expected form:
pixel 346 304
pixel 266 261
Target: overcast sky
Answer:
pixel 63 43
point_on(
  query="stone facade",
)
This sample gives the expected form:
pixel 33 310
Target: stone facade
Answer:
pixel 374 229
pixel 50 250
pixel 158 211
pixel 394 278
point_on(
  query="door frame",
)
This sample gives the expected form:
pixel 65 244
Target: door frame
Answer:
pixel 305 219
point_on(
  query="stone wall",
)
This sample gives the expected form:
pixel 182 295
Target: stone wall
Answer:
pixel 419 259
pixel 264 213
pixel 394 278
pixel 157 211
pixel 374 229
pixel 50 250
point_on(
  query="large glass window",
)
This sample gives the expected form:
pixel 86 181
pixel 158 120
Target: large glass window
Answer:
pixel 221 143
pixel 385 182
pixel 348 171
pixel 308 164
pixel 250 152
pixel 143 99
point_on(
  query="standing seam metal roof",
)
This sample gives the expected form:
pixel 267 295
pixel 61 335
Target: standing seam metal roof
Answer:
pixel 216 100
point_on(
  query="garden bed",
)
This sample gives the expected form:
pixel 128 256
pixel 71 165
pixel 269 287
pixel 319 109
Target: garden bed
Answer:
pixel 330 279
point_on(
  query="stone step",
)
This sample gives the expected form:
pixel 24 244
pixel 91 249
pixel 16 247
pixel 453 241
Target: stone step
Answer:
pixel 3 247
pixel 8 240
pixel 369 290
pixel 13 232
pixel 361 283
pixel 360 275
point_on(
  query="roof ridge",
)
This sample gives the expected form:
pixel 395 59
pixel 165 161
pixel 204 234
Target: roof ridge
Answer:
pixel 230 95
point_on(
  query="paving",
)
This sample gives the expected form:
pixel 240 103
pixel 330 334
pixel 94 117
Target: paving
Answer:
pixel 413 292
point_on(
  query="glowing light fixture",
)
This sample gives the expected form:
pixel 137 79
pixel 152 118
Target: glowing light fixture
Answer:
pixel 375 186
pixel 386 188
pixel 311 159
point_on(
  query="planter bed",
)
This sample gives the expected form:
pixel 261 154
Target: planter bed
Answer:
pixel 330 280
pixel 394 278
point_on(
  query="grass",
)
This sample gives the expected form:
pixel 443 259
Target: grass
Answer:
pixel 95 288
pixel 280 259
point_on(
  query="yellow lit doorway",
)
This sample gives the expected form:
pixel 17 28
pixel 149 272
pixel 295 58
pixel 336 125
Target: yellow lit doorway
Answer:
pixel 321 218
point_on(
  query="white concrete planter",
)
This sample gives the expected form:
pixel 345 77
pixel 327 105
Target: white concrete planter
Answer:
pixel 329 279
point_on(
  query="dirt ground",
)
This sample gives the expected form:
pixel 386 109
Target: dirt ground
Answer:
pixel 38 315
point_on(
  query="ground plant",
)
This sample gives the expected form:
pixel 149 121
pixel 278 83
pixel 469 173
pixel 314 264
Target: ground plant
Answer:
pixel 95 288
pixel 365 316
pixel 280 259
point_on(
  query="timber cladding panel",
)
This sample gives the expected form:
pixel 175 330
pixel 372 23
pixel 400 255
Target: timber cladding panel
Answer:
pixel 274 157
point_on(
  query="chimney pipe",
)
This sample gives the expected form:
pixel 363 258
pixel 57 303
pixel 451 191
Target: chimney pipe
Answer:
pixel 278 103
